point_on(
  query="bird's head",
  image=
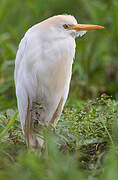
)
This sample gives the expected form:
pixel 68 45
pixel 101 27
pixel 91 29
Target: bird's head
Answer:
pixel 66 25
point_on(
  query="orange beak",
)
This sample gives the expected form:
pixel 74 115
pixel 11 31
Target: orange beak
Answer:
pixel 85 27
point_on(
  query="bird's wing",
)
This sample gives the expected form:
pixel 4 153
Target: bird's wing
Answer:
pixel 23 85
pixel 22 99
pixel 19 57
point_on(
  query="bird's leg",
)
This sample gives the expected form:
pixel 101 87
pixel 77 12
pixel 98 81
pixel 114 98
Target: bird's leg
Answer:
pixel 29 130
pixel 57 113
pixel 32 127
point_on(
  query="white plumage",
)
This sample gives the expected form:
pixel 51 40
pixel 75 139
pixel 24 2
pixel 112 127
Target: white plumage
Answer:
pixel 43 69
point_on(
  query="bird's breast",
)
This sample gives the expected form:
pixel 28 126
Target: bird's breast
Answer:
pixel 49 64
pixel 58 59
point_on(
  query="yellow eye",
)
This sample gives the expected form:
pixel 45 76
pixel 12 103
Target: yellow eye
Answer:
pixel 66 26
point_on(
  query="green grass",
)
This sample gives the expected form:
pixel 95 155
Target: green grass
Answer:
pixel 84 145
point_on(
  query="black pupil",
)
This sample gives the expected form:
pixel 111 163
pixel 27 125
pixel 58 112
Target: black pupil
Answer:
pixel 66 26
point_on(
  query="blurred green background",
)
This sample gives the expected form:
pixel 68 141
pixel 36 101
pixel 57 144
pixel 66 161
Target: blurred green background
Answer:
pixel 96 62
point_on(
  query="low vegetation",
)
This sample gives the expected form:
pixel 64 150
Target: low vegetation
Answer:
pixel 84 145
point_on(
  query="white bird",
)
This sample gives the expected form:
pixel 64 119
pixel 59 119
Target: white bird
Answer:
pixel 43 69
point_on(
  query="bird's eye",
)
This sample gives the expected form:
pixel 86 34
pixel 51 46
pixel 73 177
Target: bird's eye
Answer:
pixel 66 26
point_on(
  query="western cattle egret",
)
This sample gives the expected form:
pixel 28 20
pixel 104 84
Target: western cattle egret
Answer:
pixel 43 69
